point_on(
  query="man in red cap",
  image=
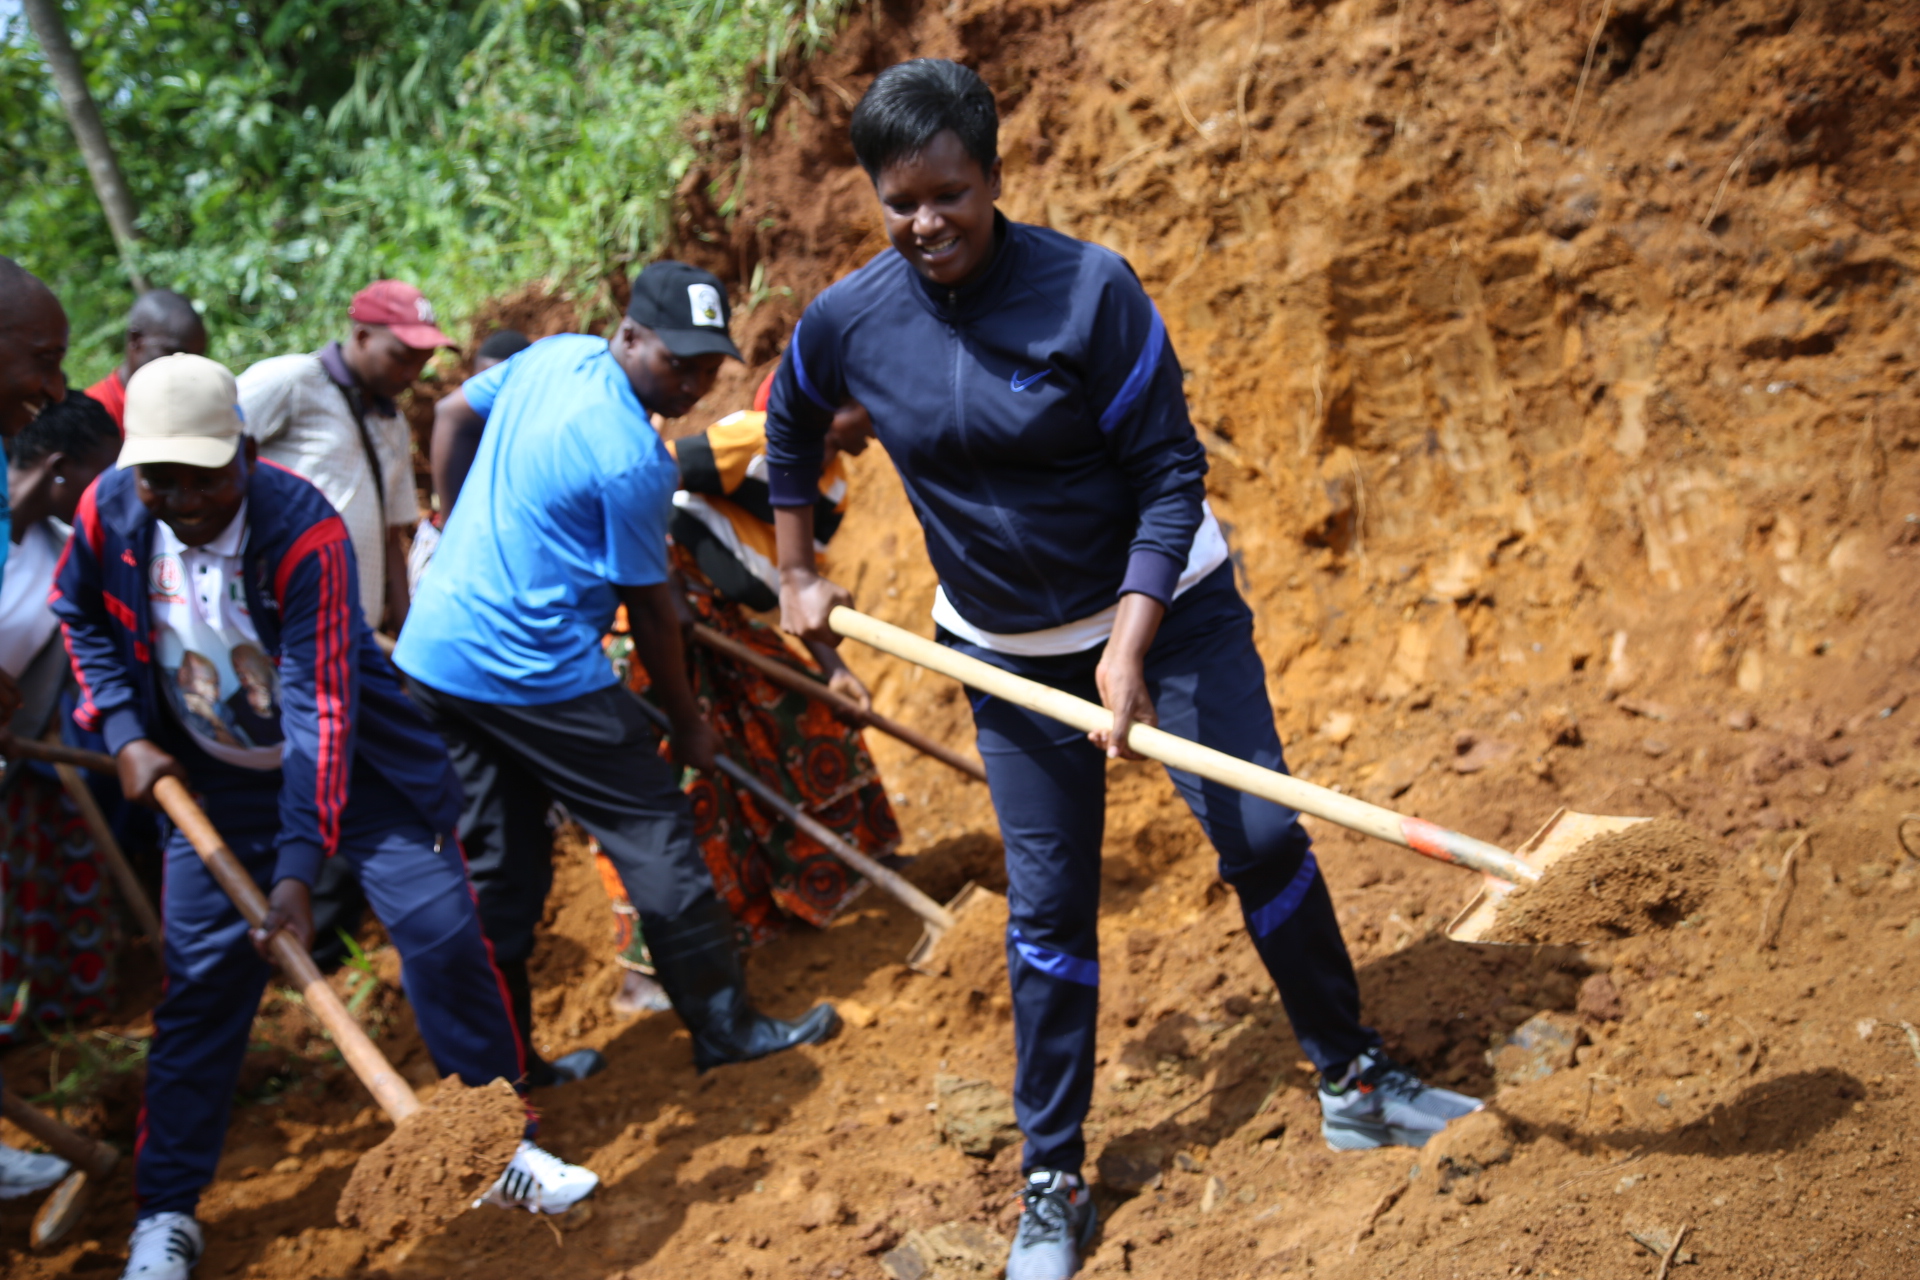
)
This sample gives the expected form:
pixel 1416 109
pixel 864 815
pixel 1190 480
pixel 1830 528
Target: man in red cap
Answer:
pixel 331 417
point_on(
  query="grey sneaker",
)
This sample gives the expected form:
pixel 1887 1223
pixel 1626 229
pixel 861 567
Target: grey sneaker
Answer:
pixel 1055 1226
pixel 1382 1104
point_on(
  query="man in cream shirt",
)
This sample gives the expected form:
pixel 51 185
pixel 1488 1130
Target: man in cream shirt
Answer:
pixel 330 416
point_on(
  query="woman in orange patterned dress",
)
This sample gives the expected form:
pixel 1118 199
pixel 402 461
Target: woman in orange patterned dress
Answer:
pixel 768 873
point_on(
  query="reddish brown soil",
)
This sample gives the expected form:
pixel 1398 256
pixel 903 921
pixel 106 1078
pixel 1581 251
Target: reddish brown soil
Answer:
pixel 1645 879
pixel 436 1163
pixel 1570 460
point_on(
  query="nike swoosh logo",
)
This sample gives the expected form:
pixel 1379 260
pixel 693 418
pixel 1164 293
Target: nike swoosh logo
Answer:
pixel 1021 384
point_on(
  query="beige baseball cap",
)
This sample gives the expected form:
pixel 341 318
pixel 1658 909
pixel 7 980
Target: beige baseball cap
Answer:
pixel 182 408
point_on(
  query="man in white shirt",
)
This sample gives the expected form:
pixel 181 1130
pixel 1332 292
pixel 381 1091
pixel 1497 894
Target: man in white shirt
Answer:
pixel 330 416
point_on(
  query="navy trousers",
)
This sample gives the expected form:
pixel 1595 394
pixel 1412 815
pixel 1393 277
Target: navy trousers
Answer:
pixel 1049 792
pixel 214 978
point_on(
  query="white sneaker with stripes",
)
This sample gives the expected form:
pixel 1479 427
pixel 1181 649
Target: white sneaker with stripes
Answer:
pixel 540 1183
pixel 164 1247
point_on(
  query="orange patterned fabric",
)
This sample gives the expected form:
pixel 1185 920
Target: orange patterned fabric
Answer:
pixel 766 872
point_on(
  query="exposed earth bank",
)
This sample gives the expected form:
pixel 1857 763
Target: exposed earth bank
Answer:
pixel 1555 363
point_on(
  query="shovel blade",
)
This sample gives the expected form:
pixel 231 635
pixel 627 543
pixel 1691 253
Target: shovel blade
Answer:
pixel 1564 832
pixel 921 959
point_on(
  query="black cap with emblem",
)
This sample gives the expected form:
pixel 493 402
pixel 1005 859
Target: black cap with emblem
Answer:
pixel 686 306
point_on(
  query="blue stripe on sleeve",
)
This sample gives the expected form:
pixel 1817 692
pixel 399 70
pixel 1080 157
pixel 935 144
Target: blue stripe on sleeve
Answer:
pixel 1056 964
pixel 800 373
pixel 1264 920
pixel 1138 378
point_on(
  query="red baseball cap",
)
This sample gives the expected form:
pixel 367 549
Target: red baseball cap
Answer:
pixel 403 309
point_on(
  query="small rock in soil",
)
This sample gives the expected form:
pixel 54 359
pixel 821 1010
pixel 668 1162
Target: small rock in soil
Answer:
pixel 974 1116
pixel 1599 999
pixel 1129 1167
pixel 950 1251
pixel 1538 1047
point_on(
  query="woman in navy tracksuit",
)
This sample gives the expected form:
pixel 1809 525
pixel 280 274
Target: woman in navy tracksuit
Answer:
pixel 1023 384
pixel 190 557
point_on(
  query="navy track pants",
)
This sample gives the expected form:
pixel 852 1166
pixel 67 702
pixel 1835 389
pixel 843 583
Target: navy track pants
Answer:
pixel 1049 792
pixel 214 978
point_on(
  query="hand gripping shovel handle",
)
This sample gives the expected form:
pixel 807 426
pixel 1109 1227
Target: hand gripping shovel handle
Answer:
pixel 383 1082
pixel 1176 752
pixel 886 877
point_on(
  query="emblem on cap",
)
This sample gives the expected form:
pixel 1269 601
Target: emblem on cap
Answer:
pixel 705 301
pixel 424 310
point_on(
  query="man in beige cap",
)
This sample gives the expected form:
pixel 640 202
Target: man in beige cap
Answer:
pixel 212 609
pixel 330 415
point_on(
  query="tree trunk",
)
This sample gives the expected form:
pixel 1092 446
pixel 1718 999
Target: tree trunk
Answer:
pixel 50 26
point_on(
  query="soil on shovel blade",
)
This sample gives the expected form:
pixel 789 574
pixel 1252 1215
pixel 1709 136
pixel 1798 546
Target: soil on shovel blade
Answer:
pixel 1648 877
pixel 437 1163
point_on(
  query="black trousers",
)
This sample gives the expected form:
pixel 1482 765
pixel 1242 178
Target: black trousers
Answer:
pixel 597 754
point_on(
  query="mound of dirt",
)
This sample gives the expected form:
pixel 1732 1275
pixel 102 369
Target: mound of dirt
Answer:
pixel 1649 877
pixel 436 1163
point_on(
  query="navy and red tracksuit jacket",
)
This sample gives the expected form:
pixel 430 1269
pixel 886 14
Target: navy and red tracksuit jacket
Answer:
pixel 338 693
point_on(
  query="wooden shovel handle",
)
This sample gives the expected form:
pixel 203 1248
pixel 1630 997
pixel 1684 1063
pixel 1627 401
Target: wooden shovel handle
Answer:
pixel 889 880
pixel 65 760
pixel 111 853
pixel 383 1082
pixel 61 753
pixel 1157 744
pixel 88 1154
pixel 844 707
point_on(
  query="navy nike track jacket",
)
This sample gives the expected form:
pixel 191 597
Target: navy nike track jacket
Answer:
pixel 338 693
pixel 1036 417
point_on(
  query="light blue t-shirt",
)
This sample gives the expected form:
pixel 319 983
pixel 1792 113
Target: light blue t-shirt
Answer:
pixel 569 496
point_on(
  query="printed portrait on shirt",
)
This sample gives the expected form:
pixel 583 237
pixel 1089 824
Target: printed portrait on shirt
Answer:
pixel 220 684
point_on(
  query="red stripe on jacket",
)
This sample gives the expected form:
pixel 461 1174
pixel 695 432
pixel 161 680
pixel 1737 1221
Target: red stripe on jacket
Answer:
pixel 328 531
pixel 86 519
pixel 333 629
pixel 86 715
pixel 332 638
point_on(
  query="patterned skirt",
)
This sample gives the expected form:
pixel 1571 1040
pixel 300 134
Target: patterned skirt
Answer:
pixel 767 873
pixel 57 939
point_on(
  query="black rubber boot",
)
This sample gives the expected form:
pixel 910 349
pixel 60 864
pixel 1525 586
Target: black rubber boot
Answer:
pixel 542 1074
pixel 699 966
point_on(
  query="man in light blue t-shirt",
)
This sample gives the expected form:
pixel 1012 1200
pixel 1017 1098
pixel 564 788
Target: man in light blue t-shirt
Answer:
pixel 563 518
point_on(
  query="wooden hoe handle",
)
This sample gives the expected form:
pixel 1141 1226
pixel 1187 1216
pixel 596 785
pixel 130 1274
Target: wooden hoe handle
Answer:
pixel 844 707
pixel 886 877
pixel 65 760
pixel 1217 766
pixel 383 1082
pixel 87 1154
pixel 61 753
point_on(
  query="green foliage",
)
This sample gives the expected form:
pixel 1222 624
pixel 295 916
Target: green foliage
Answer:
pixel 82 1062
pixel 285 152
